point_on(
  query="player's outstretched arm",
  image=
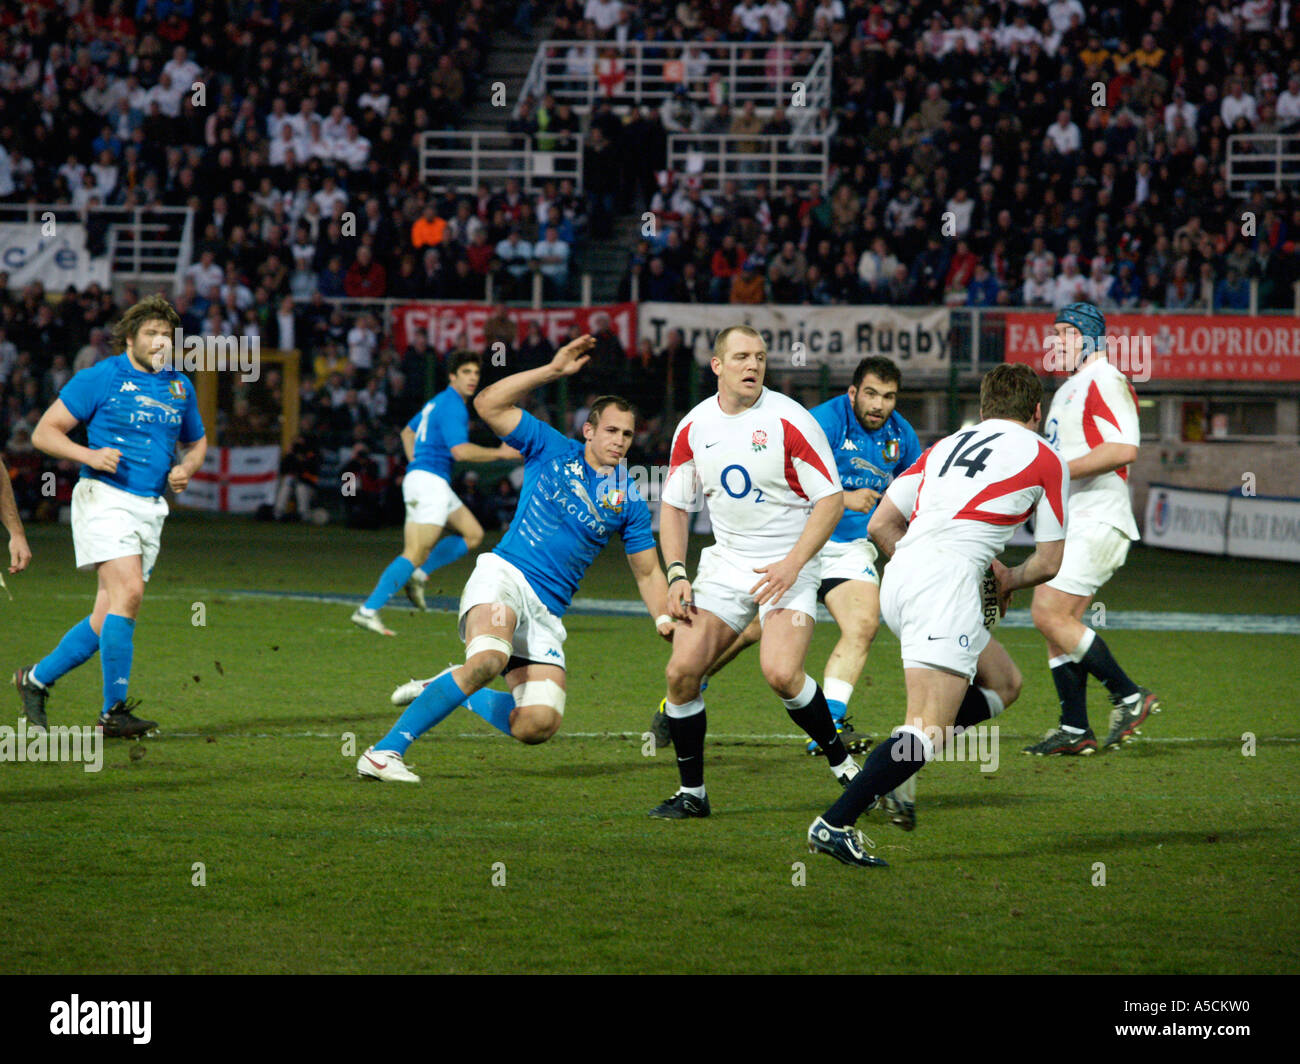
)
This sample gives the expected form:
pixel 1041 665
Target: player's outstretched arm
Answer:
pixel 19 553
pixel 498 404
pixel 887 526
pixel 653 588
pixel 51 437
pixel 472 452
pixel 1104 458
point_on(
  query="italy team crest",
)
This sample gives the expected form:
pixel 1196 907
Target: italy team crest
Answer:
pixel 613 500
pixel 759 440
pixel 176 389
pixel 890 451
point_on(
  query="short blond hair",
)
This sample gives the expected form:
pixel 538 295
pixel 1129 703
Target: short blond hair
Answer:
pixel 720 344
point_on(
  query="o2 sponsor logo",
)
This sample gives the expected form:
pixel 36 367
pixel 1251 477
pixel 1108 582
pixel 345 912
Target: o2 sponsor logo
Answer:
pixel 737 484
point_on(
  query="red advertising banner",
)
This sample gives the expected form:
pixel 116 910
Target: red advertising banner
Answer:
pixel 1175 346
pixel 452 325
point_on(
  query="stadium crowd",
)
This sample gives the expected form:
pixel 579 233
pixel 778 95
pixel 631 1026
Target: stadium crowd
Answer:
pixel 990 154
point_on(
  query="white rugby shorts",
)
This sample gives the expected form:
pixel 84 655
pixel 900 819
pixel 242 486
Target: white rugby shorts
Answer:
pixel 1093 553
pixel 429 499
pixel 539 634
pixel 853 560
pixel 722 586
pixel 109 523
pixel 933 604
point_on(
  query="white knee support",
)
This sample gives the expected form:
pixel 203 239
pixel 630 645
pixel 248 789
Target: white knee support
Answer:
pixel 540 693
pixel 481 643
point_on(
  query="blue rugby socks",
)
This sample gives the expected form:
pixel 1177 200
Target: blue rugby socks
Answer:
pixel 394 577
pixel 445 551
pixel 494 707
pixel 78 645
pixel 438 701
pixel 115 652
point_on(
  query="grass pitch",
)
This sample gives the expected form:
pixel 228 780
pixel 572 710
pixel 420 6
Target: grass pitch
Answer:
pixel 246 843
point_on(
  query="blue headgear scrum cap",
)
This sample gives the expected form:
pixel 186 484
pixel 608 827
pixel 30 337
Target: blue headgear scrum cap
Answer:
pixel 1085 317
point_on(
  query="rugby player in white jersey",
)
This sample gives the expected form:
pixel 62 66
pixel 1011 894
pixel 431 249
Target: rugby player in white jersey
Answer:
pixel 947 518
pixel 774 494
pixel 1093 425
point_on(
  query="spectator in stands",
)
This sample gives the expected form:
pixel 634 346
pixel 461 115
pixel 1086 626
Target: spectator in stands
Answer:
pixel 725 266
pixel 366 278
pixel 363 339
pixel 536 350
pixel 551 259
pixel 1232 293
pixel 786 273
pixel 1071 286
pixel 747 286
pixel 984 289
pixel 516 257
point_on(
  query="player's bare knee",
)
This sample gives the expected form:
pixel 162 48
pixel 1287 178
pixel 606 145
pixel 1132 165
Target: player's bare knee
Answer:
pixel 484 667
pixel 534 724
pixel 1009 689
pixel 1046 619
pixel 863 632
pixel 784 681
pixel 473 539
pixel 682 675
pixel 126 599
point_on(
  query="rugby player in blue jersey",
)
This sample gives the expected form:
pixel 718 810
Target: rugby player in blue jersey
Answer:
pixel 136 410
pixel 437 436
pixel 574 499
pixel 872 443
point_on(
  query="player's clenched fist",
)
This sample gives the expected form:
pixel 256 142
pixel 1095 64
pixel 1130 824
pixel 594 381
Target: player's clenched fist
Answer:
pixel 20 555
pixel 681 601
pixel 1006 585
pixel 179 478
pixel 861 501
pixel 105 459
pixel 574 355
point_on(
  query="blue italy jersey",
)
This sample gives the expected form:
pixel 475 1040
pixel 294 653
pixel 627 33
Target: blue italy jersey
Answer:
pixel 141 414
pixel 567 513
pixel 865 459
pixel 441 424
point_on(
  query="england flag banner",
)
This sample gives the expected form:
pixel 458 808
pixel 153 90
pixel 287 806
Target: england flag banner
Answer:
pixel 234 480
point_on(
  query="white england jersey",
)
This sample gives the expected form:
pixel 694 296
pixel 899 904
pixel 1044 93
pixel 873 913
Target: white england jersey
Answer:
pixel 968 493
pixel 761 471
pixel 1095 406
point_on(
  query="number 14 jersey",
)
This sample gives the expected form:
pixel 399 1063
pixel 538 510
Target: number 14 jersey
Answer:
pixel 968 493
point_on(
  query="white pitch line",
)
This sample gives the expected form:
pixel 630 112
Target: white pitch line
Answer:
pixel 762 736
